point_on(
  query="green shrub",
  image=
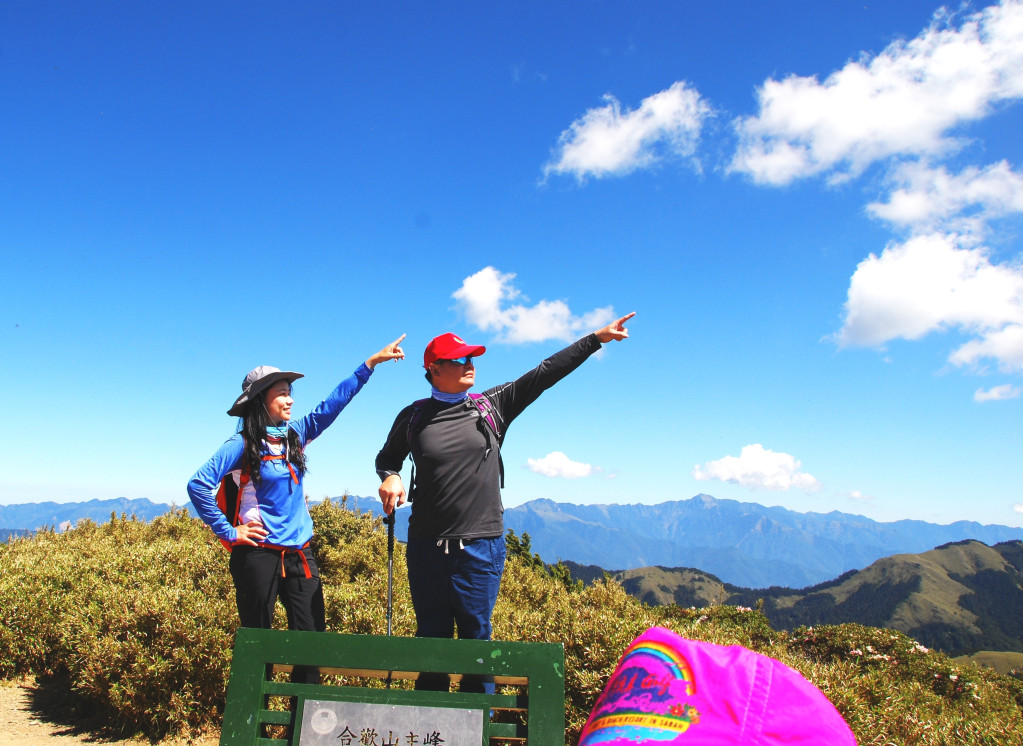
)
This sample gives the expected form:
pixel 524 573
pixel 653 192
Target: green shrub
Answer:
pixel 138 619
pixel 135 616
pixel 351 549
pixel 892 689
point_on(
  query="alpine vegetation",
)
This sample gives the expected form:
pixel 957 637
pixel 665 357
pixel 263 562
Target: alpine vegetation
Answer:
pixel 135 621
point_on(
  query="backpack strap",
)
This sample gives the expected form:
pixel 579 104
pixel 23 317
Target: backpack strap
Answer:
pixel 229 498
pixel 488 414
pixel 413 421
pixel 410 432
pixel 282 457
pixel 491 417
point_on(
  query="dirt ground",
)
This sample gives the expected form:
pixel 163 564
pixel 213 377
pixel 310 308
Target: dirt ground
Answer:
pixel 29 716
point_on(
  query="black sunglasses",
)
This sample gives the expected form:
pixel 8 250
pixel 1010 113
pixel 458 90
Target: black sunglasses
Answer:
pixel 467 360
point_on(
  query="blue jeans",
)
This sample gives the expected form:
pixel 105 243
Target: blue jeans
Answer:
pixel 452 591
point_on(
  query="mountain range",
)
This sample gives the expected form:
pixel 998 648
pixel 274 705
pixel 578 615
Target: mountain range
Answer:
pixel 958 598
pixel 16 519
pixel 743 544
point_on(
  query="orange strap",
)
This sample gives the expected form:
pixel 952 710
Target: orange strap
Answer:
pixel 284 551
pixel 280 457
pixel 305 562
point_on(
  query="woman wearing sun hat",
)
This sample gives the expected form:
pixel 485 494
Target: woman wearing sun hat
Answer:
pixel 265 462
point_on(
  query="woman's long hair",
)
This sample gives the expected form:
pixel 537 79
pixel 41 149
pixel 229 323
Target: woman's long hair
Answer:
pixel 253 429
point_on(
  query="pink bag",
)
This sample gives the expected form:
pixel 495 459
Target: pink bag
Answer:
pixel 669 690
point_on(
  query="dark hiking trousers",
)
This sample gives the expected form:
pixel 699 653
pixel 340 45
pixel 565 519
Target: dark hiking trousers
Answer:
pixel 258 584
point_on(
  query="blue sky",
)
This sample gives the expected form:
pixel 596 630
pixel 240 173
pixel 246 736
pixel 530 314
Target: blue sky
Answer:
pixel 813 208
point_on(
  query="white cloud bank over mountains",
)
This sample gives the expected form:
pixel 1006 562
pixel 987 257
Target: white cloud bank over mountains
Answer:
pixel 902 110
pixel 557 464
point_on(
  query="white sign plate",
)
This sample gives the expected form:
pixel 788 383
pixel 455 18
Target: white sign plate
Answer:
pixel 330 723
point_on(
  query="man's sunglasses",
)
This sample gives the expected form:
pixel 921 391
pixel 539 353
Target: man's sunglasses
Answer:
pixel 463 361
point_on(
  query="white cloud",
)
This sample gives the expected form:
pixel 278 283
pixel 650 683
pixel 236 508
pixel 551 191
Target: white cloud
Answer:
pixel 996 393
pixel 904 101
pixel 608 141
pixel 906 107
pixel 860 497
pixel 1004 345
pixel 557 464
pixel 758 468
pixel 931 283
pixel 929 198
pixel 1018 507
pixel 903 105
pixel 483 299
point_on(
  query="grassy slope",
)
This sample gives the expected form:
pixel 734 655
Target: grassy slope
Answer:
pixel 962 596
pixel 1001 662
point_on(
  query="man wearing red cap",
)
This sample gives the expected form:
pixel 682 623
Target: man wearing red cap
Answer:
pixel 456 546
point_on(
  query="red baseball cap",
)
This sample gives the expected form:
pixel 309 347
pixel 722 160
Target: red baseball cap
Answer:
pixel 449 347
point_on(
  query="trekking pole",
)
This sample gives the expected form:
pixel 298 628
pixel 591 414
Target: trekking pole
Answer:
pixel 389 520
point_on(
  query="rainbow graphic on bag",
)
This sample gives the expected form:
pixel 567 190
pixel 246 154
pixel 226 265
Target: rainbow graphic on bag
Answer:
pixel 645 696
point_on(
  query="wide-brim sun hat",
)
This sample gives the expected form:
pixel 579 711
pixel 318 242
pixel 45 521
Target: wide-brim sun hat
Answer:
pixel 258 380
pixel 449 346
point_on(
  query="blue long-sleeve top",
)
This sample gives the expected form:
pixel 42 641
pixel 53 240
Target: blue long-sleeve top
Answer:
pixel 281 502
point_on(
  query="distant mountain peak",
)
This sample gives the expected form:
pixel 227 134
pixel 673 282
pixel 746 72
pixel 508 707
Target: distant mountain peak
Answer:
pixel 745 544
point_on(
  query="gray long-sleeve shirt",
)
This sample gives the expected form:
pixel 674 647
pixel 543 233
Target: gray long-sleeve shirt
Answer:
pixel 457 492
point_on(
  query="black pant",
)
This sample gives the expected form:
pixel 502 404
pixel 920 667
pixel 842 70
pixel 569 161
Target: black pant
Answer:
pixel 258 583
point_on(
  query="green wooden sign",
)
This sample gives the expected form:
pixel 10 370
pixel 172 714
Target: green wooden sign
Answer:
pixel 264 706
